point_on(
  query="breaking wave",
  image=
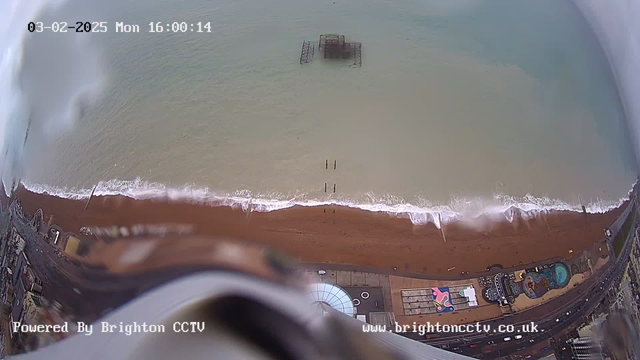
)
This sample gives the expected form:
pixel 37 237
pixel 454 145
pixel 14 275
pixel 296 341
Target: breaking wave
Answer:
pixel 498 207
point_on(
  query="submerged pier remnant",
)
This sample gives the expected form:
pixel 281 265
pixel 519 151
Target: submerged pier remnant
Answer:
pixel 308 50
pixel 333 46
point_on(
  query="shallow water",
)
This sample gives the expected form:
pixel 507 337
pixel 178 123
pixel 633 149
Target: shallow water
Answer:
pixel 459 106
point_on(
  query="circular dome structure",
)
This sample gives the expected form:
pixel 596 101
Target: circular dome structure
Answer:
pixel 333 296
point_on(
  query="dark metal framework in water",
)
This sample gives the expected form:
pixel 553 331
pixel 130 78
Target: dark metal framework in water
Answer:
pixel 333 46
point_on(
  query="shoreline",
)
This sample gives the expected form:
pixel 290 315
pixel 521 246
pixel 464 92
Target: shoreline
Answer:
pixel 342 235
pixel 494 208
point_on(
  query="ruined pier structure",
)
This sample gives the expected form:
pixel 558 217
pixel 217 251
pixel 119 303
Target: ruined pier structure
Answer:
pixel 333 46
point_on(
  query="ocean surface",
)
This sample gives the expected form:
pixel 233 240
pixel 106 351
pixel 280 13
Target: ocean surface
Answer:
pixel 460 107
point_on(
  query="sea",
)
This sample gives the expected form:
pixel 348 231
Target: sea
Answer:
pixel 460 107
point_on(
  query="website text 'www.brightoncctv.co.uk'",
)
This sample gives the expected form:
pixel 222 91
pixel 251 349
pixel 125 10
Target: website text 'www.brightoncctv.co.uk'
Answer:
pixel 430 328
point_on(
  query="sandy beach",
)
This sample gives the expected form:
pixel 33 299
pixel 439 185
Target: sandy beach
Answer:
pixel 347 236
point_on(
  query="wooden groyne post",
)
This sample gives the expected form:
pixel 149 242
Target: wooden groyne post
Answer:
pixel 90 196
pixel 249 209
pixel 335 164
pixel 444 237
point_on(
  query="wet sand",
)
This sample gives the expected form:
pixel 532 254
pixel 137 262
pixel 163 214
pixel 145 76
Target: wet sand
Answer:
pixel 348 236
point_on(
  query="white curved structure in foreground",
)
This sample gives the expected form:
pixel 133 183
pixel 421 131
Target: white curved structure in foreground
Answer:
pixel 333 296
pixel 615 23
pixel 236 310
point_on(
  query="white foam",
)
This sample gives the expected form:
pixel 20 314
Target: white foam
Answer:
pixel 499 207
